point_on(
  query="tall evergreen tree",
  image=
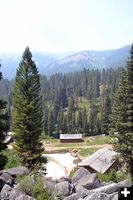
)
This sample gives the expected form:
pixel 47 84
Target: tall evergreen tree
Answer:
pixel 70 115
pixel 50 122
pixel 3 129
pixel 45 120
pixel 79 121
pixel 122 116
pixel 106 111
pixel 56 107
pixel 92 119
pixel 64 124
pixel 27 112
pixel 85 125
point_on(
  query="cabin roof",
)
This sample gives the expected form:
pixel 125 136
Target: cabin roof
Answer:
pixel 70 136
pixel 100 161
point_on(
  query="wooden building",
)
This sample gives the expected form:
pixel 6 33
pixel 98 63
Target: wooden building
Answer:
pixel 101 161
pixel 71 138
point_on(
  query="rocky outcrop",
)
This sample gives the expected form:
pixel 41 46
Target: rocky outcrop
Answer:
pixel 16 194
pixel 115 197
pixel 97 196
pixel 74 196
pixel 8 190
pixel 81 172
pixel 8 179
pixel 63 189
pixel 89 182
pixel 114 187
pixel 17 171
pixel 82 192
pixel 49 185
pixel 84 186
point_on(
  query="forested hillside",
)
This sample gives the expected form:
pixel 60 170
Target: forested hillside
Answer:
pixel 78 102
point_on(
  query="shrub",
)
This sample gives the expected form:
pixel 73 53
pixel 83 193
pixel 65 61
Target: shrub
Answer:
pixel 110 176
pixel 12 159
pixel 122 176
pixel 26 185
pixel 34 186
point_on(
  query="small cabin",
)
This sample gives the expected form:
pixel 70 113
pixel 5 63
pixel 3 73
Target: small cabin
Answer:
pixel 101 161
pixel 71 138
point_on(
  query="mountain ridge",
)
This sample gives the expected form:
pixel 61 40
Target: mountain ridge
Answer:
pixel 49 63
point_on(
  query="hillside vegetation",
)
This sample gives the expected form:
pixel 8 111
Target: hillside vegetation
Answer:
pixel 78 102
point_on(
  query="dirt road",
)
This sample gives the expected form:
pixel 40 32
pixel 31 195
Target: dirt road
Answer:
pixel 51 148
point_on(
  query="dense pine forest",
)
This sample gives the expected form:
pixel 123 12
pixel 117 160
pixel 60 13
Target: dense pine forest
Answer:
pixel 78 102
pixel 91 102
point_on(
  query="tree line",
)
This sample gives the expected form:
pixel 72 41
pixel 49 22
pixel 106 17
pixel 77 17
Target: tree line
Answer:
pixel 78 102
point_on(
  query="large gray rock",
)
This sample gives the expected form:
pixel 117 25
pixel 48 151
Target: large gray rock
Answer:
pixel 80 173
pixel 62 179
pixel 8 179
pixel 24 197
pixel 115 197
pixel 125 183
pixel 111 196
pixel 97 196
pixel 16 194
pixel 5 190
pixel 74 196
pixel 114 187
pixel 107 189
pixel 82 192
pixel 6 176
pixel 89 182
pixel 63 189
pixel 49 185
pixel 17 171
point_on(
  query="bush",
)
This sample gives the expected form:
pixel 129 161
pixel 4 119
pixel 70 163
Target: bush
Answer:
pixel 114 176
pixel 110 176
pixel 122 176
pixel 26 185
pixel 12 159
pixel 33 186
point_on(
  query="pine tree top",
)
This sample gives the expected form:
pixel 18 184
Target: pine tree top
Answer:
pixel 27 55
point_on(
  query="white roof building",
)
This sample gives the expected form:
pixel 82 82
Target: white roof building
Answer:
pixel 70 136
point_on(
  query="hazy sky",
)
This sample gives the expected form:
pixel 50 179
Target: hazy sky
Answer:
pixel 65 25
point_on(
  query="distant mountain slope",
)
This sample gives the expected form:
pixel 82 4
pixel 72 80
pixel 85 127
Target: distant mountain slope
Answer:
pixel 94 59
pixel 10 62
pixel 51 63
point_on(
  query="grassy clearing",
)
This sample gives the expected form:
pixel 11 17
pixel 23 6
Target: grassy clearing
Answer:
pixel 98 140
pixel 86 152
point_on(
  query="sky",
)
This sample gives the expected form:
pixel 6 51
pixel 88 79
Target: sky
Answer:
pixel 59 26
